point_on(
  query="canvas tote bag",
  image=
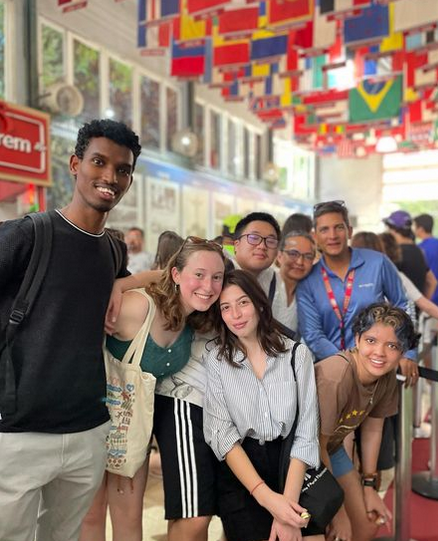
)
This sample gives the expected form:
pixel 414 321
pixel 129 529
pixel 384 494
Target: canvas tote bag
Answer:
pixel 130 401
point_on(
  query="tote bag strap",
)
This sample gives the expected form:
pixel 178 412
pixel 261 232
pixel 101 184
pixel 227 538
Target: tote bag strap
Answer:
pixel 135 350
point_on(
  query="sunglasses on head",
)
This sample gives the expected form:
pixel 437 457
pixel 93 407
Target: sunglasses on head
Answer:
pixel 320 206
pixel 200 241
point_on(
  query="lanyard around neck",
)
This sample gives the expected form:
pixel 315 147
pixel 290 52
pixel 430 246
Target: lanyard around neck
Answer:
pixel 334 304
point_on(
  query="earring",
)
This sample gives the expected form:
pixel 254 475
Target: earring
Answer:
pixel 176 287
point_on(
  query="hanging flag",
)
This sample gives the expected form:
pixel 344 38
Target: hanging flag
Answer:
pixel 154 11
pixel 206 7
pixel 187 28
pixel 409 14
pixel 375 101
pixel 336 7
pixel 71 5
pixel 281 14
pixel 153 39
pixel 238 22
pixel 228 52
pixel 345 149
pixel 317 34
pixel 187 62
pixel 370 26
pixel 266 44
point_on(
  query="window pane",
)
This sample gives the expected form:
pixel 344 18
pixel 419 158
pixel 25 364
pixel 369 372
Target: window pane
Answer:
pixel 232 151
pixel 171 115
pixel 199 130
pixel 86 78
pixel 215 138
pixel 120 91
pixel 2 50
pixel 246 138
pixel 53 56
pixel 150 112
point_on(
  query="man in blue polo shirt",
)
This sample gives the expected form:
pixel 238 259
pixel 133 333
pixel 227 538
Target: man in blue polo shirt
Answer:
pixel 344 281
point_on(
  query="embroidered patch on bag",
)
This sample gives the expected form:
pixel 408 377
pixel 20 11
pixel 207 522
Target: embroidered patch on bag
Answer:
pixel 122 402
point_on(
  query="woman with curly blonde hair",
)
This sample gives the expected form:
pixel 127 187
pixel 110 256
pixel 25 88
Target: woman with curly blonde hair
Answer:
pixel 182 296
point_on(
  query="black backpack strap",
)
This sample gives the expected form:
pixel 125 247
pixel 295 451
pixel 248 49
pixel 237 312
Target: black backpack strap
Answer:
pixel 39 260
pixel 272 288
pixel 22 305
pixel 116 250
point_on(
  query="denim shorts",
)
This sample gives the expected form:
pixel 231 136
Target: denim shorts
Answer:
pixel 341 462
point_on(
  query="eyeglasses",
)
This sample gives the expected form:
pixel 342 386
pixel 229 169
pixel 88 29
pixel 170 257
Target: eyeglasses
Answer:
pixel 319 206
pixel 255 240
pixel 294 255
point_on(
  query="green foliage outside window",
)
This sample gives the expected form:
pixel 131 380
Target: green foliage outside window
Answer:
pixel 422 207
pixel 86 78
pixel 120 76
pixel 53 56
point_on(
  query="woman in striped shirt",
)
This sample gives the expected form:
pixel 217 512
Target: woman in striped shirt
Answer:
pixel 249 408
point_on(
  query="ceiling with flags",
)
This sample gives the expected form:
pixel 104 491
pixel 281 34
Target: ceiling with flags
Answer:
pixel 343 74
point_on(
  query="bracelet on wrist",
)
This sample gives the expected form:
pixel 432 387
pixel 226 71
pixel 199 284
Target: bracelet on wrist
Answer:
pixel 256 487
pixel 372 483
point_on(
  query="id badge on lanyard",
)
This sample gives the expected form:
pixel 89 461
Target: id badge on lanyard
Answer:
pixel 334 304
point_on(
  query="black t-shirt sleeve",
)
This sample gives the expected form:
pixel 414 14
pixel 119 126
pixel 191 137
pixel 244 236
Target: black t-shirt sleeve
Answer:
pixel 123 270
pixel 16 241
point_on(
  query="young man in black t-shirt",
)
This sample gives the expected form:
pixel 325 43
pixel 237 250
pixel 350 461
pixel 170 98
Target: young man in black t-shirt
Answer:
pixel 413 262
pixel 53 447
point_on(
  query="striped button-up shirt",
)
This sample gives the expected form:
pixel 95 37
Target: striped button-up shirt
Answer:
pixel 239 405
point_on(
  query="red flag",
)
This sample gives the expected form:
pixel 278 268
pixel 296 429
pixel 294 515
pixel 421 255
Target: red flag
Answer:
pixel 205 7
pixel 238 21
pixel 283 14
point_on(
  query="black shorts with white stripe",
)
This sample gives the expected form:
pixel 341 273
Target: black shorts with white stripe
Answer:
pixel 189 465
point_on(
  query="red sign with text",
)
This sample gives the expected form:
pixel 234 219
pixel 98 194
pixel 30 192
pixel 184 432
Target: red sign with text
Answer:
pixel 24 145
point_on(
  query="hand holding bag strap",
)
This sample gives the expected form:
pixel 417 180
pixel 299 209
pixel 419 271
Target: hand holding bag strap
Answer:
pixel 135 350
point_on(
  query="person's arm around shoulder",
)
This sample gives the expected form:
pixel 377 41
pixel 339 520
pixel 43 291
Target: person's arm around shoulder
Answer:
pixel 133 312
pixel 134 281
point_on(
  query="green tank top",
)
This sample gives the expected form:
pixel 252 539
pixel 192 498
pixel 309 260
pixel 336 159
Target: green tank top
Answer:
pixel 158 361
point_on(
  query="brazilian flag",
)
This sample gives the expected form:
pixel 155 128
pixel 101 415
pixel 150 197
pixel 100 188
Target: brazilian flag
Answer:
pixel 371 101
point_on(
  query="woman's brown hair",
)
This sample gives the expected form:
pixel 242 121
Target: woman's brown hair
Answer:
pixel 268 330
pixel 391 248
pixel 166 294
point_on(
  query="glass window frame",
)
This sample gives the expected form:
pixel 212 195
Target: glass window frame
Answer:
pixel 164 134
pixel 138 74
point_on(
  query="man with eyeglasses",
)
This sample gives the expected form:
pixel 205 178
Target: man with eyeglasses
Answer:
pixel 255 247
pixel 343 282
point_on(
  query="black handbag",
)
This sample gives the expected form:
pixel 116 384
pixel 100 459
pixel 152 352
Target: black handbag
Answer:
pixel 321 494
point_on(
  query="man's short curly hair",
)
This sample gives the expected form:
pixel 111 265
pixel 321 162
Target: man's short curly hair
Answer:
pixel 110 129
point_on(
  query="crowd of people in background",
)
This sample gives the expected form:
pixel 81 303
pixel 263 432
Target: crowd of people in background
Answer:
pixel 227 317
